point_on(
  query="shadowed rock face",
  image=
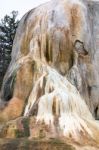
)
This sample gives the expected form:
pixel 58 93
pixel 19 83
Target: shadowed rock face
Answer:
pixel 51 75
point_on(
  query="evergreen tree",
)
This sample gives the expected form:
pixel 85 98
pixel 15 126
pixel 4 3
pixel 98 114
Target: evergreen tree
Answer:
pixel 8 27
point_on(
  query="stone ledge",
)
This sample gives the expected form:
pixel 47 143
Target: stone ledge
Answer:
pixel 25 144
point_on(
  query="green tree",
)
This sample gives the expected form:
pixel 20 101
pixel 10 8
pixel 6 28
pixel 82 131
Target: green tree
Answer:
pixel 8 27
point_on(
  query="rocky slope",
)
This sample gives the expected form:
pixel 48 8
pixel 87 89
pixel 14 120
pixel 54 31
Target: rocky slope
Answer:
pixel 52 80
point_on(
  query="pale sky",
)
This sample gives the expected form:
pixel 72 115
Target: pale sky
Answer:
pixel 22 6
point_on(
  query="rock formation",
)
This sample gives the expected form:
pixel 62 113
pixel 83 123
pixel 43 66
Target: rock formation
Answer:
pixel 52 75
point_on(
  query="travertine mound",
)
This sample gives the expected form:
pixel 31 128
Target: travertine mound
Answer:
pixel 51 74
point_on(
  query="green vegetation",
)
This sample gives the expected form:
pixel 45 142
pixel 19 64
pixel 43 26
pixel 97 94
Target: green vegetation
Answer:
pixel 25 132
pixel 8 26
